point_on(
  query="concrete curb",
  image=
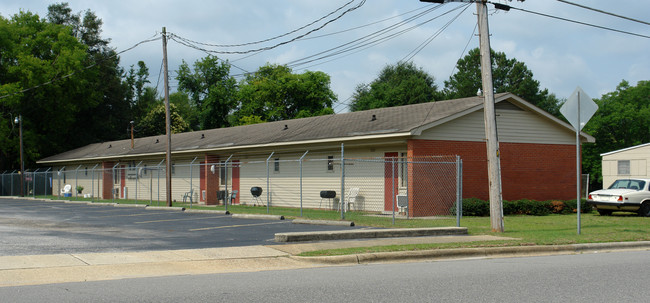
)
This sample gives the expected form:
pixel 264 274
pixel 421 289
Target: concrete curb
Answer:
pixel 323 222
pixel 130 205
pixel 74 202
pixel 101 204
pixel 369 233
pixel 481 252
pixel 258 217
pixel 206 211
pixel 167 208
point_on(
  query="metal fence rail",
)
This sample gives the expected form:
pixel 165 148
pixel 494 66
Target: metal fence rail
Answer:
pixel 395 186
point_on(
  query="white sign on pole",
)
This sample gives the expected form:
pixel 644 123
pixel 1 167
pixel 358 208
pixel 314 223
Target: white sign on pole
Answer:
pixel 579 101
pixel 578 109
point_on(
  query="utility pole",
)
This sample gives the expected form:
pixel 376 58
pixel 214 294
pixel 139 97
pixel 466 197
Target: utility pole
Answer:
pixel 168 131
pixel 492 141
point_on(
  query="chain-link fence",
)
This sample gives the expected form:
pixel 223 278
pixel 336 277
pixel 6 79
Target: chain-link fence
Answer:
pixel 35 183
pixel 397 186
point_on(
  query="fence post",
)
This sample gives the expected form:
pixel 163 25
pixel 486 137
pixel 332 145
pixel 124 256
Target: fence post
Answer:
pixel 301 158
pixel 58 177
pixel 392 178
pixel 92 183
pixel 191 185
pixel 158 170
pixel 342 195
pixel 459 190
pixel 137 179
pixel 34 183
pixel 12 182
pixel 113 183
pixel 76 182
pixel 228 195
pixel 268 183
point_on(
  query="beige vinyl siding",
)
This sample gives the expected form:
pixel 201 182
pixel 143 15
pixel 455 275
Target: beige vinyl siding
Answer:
pixel 639 160
pixel 367 175
pixel 514 125
pixel 77 176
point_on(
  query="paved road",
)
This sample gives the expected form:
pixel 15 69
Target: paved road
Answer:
pixel 30 227
pixel 601 277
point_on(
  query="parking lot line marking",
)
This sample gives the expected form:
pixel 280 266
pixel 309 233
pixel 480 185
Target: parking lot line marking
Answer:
pixel 137 215
pixel 171 220
pixel 238 225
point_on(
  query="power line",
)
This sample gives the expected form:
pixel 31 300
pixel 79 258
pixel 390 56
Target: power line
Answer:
pixel 426 42
pixel 573 21
pixel 189 43
pixel 273 38
pixel 464 49
pixel 83 69
pixel 368 40
pixel 365 25
pixel 604 12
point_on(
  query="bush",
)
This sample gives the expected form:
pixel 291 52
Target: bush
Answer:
pixel 480 208
pixel 474 207
pixel 526 207
pixel 573 207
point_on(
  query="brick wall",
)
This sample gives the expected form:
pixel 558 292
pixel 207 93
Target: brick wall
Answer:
pixel 528 171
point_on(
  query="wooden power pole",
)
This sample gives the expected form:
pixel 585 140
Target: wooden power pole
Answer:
pixel 168 131
pixel 492 141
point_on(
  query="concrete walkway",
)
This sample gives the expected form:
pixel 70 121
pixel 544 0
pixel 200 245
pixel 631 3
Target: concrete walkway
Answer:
pixel 62 268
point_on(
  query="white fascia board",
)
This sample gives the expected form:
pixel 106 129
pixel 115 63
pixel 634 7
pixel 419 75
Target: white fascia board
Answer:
pixel 624 149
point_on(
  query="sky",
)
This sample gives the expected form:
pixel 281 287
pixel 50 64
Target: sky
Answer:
pixel 562 55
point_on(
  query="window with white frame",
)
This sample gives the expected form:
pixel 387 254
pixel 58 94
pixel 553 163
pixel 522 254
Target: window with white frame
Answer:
pixel 403 170
pixel 225 173
pixel 623 167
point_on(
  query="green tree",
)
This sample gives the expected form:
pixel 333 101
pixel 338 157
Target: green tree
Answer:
pixel 35 57
pixel 509 75
pixel 154 122
pixel 620 122
pixel 211 89
pixel 274 93
pixel 399 84
pixel 185 108
pixel 107 111
pixel 141 98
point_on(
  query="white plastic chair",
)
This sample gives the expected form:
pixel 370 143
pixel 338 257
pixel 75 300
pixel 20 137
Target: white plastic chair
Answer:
pixel 66 189
pixel 350 198
pixel 190 195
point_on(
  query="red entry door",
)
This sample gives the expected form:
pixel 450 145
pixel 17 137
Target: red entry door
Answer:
pixel 122 181
pixel 390 180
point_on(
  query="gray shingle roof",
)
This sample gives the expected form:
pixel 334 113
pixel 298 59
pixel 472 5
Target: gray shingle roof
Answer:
pixel 391 120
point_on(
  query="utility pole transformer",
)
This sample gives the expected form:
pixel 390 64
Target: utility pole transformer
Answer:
pixel 492 141
pixel 168 130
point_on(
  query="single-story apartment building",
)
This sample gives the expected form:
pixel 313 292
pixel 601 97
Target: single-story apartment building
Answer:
pixel 537 154
pixel 631 162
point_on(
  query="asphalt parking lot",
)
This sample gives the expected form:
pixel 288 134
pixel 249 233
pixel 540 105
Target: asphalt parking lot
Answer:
pixel 32 227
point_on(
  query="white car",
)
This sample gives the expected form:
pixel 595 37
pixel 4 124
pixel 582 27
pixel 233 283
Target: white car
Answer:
pixel 623 195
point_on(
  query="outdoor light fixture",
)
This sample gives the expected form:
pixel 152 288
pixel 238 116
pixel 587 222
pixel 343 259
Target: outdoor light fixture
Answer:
pixel 19 120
